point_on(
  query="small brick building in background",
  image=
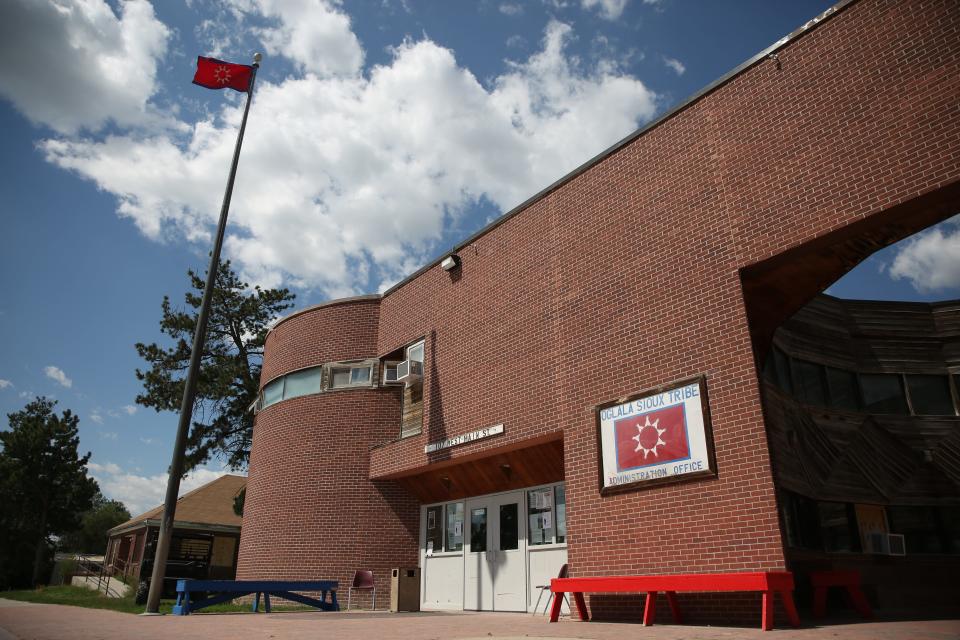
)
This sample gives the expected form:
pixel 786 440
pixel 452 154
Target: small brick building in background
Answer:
pixel 204 544
pixel 452 423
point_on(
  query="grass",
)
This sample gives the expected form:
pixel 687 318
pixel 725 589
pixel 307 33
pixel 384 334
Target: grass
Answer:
pixel 82 597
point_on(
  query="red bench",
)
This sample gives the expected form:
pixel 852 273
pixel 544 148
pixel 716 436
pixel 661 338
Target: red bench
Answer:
pixel 849 580
pixel 767 582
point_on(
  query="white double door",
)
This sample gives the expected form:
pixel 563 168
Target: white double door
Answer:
pixel 495 575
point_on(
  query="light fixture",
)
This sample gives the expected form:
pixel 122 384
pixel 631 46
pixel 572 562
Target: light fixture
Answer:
pixel 450 263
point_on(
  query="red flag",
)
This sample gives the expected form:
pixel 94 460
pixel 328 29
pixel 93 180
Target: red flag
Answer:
pixel 652 438
pixel 217 74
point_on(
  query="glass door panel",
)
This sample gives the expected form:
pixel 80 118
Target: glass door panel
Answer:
pixel 509 527
pixel 478 529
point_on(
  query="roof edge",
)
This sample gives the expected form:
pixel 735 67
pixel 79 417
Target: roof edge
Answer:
pixel 177 524
pixel 931 305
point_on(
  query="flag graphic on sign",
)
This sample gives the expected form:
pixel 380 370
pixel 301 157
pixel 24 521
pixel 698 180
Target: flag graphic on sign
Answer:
pixel 652 438
pixel 217 74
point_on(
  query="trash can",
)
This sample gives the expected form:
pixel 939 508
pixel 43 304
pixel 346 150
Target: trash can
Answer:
pixel 405 589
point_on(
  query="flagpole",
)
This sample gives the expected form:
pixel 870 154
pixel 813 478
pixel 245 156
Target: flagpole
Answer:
pixel 190 388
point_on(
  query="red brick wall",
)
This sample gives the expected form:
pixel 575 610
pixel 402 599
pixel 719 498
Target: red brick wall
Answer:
pixel 628 276
pixel 338 330
pixel 311 511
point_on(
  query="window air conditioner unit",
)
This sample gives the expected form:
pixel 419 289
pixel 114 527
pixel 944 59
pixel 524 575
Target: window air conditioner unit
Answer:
pixel 390 372
pixel 896 545
pixel 409 371
pixel 888 544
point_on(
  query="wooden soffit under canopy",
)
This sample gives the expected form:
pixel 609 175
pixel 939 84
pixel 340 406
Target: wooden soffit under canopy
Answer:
pixel 500 471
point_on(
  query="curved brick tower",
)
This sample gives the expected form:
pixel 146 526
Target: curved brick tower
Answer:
pixel 311 512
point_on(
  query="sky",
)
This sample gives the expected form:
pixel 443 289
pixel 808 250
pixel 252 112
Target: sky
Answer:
pixel 382 132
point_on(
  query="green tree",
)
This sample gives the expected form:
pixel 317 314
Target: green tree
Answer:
pixel 44 488
pixel 230 369
pixel 91 536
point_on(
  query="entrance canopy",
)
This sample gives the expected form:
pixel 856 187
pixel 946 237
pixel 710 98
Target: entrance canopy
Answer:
pixel 520 465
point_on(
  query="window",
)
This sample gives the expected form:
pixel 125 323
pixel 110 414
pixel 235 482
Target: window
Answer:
pixel 540 515
pixel 301 383
pixel 838 527
pixel 444 528
pixel 560 494
pixel 919 526
pixel 930 395
pixel 454 539
pixel 808 382
pixel 927 529
pixel 339 377
pixel 359 375
pixel 273 392
pixel 842 386
pixel 801 521
pixel 415 352
pixel 950 525
pixel 883 393
pixel 546 515
pixel 434 529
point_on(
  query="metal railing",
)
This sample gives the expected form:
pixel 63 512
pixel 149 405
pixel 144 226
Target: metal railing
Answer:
pixel 89 567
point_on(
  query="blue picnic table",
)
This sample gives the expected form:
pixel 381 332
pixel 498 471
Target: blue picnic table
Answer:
pixel 224 590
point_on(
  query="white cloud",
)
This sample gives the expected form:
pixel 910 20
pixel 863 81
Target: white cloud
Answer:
pixel 516 40
pixel 129 409
pixel 148 441
pixel 141 493
pixel 348 180
pixel 608 9
pixel 56 374
pixel 930 260
pixel 511 9
pixel 108 435
pixel 109 468
pixel 26 394
pixel 674 64
pixel 312 33
pixel 5 383
pixel 75 64
pixel 95 416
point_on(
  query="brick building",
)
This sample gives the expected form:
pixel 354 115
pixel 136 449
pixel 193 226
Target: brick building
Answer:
pixel 459 421
pixel 204 543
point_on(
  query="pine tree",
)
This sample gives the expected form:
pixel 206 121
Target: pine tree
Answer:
pixel 229 377
pixel 44 488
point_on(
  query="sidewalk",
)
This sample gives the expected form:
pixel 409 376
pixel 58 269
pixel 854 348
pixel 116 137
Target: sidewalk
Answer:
pixel 56 622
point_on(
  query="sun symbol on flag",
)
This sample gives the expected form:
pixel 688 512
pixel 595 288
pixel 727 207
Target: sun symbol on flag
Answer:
pixel 647 450
pixel 221 74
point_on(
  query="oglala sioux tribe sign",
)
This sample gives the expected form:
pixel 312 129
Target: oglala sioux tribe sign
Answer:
pixel 657 436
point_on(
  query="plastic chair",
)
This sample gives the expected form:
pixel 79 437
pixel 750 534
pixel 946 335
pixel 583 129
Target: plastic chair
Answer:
pixel 363 581
pixel 564 570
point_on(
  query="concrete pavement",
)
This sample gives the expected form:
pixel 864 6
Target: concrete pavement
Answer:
pixel 25 621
